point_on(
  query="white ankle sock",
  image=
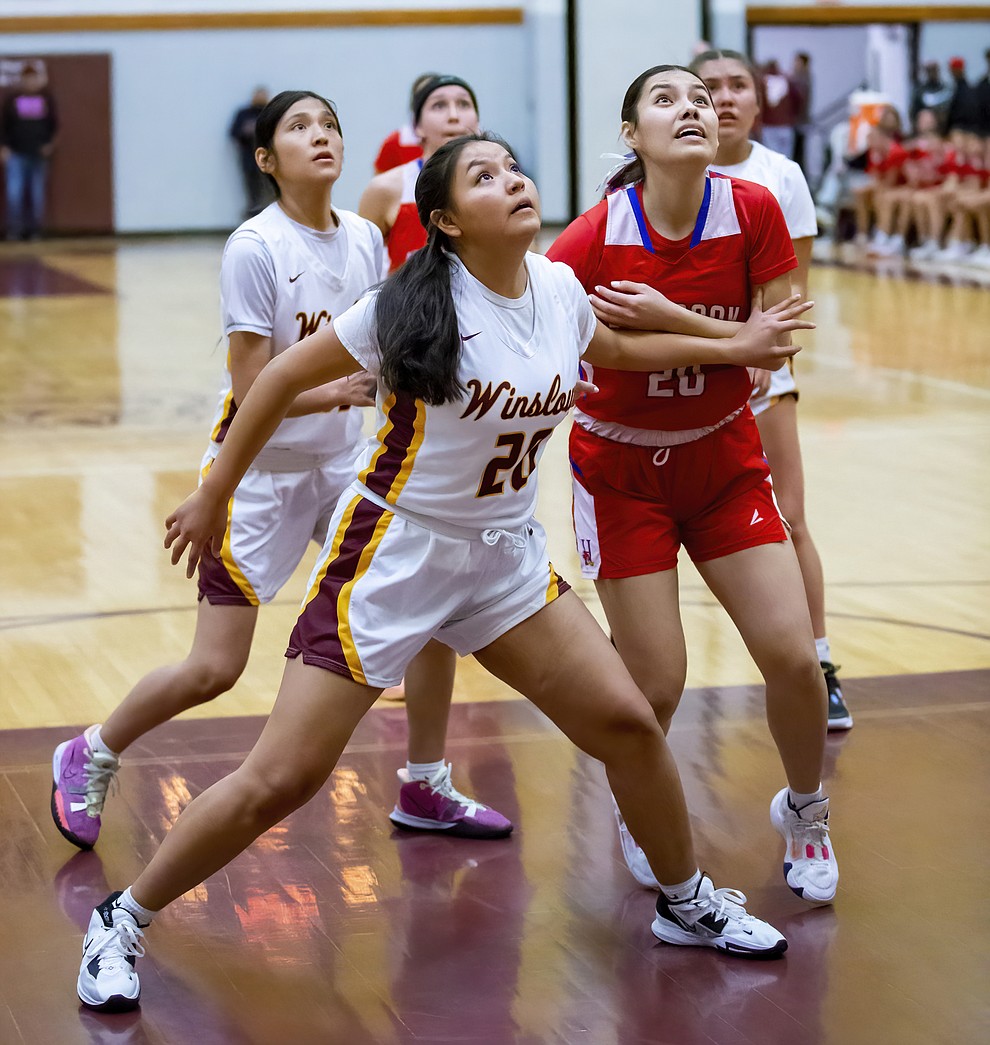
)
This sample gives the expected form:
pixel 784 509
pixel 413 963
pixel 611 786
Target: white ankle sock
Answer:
pixel 683 890
pixel 823 649
pixel 799 800
pixel 97 743
pixel 141 914
pixel 424 770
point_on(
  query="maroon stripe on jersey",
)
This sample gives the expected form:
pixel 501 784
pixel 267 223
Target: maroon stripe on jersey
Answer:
pixel 316 635
pixel 397 444
pixel 225 423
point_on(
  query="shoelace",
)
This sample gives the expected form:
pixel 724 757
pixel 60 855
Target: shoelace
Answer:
pixel 115 946
pixel 724 903
pixel 101 777
pixel 442 784
pixel 814 831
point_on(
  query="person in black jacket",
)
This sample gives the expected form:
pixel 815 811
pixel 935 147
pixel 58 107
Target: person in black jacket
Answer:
pixel 27 141
pixel 963 114
pixel 256 187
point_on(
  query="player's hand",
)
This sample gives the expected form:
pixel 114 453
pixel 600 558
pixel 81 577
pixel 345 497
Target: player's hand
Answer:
pixel 583 388
pixel 635 306
pixel 761 381
pixel 354 390
pixel 199 524
pixel 757 342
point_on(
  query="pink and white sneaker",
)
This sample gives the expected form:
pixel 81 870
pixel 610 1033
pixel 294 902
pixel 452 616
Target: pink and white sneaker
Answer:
pixel 436 805
pixel 81 778
pixel 809 860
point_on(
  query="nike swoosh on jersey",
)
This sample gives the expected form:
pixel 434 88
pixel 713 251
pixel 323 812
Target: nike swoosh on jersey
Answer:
pixel 469 336
pixel 292 279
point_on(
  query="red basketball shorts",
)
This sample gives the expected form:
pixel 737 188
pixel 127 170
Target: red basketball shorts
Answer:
pixel 634 506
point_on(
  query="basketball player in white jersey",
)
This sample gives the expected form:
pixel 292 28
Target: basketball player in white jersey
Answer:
pixel 731 79
pixel 476 344
pixel 285 273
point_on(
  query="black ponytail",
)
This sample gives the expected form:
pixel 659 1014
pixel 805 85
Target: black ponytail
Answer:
pixel 419 339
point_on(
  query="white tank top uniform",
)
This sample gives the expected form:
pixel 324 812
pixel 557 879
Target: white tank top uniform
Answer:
pixel 436 538
pixel 283 280
pixel 785 179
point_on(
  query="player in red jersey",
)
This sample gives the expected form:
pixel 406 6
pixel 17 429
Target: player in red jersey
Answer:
pixel 674 457
pixel 443 108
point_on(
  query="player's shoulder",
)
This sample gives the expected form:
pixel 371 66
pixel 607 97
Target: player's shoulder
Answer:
pixel 743 190
pixel 749 198
pixel 357 225
pixel 587 227
pixel 384 187
pixel 555 276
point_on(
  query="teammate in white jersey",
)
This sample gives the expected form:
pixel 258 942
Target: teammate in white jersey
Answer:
pixel 285 273
pixel 732 80
pixel 476 344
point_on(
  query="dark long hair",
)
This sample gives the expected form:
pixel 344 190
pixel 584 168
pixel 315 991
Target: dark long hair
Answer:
pixel 268 119
pixel 632 170
pixel 419 340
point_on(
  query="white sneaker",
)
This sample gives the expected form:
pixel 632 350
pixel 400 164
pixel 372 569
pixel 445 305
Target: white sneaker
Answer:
pixel 635 858
pixel 716 918
pixel 924 251
pixel 955 250
pixel 878 243
pixel 892 247
pixel 980 258
pixel 107 980
pixel 810 867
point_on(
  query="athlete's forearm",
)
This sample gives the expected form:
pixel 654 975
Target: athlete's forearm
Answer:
pixel 265 405
pixel 644 350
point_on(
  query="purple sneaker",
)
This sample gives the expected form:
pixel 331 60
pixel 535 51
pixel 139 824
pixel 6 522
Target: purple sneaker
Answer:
pixel 79 789
pixel 436 805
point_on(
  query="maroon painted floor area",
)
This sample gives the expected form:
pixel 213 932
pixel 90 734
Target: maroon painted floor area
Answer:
pixel 30 277
pixel 334 928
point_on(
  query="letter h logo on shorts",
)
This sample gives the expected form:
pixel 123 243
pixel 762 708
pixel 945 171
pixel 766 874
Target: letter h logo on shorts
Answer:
pixel 586 556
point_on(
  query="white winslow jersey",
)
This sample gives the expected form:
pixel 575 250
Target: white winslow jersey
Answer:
pixel 472 462
pixel 785 179
pixel 284 280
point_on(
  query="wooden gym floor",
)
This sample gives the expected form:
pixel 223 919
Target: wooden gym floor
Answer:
pixel 335 929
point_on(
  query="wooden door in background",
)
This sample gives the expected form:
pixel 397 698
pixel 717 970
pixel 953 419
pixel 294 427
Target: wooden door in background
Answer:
pixel 80 182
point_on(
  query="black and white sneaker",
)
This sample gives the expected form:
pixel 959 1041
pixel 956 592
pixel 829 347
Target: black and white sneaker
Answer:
pixel 716 918
pixel 838 714
pixel 107 980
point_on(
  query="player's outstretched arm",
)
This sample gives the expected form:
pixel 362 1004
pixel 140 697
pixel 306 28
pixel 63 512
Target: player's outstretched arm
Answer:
pixel 762 341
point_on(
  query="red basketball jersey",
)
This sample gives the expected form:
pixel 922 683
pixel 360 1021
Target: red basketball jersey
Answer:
pixel 406 235
pixel 401 146
pixel 740 240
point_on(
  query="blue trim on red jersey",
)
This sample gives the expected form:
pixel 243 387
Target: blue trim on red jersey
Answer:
pixel 699 225
pixel 640 218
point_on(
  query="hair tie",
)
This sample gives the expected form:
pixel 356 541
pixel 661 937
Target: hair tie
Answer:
pixel 626 160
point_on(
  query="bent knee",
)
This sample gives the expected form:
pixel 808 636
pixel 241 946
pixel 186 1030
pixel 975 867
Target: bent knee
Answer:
pixel 208 680
pixel 272 794
pixel 795 667
pixel 630 731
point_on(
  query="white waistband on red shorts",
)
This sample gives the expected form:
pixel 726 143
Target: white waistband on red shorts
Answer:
pixel 619 433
